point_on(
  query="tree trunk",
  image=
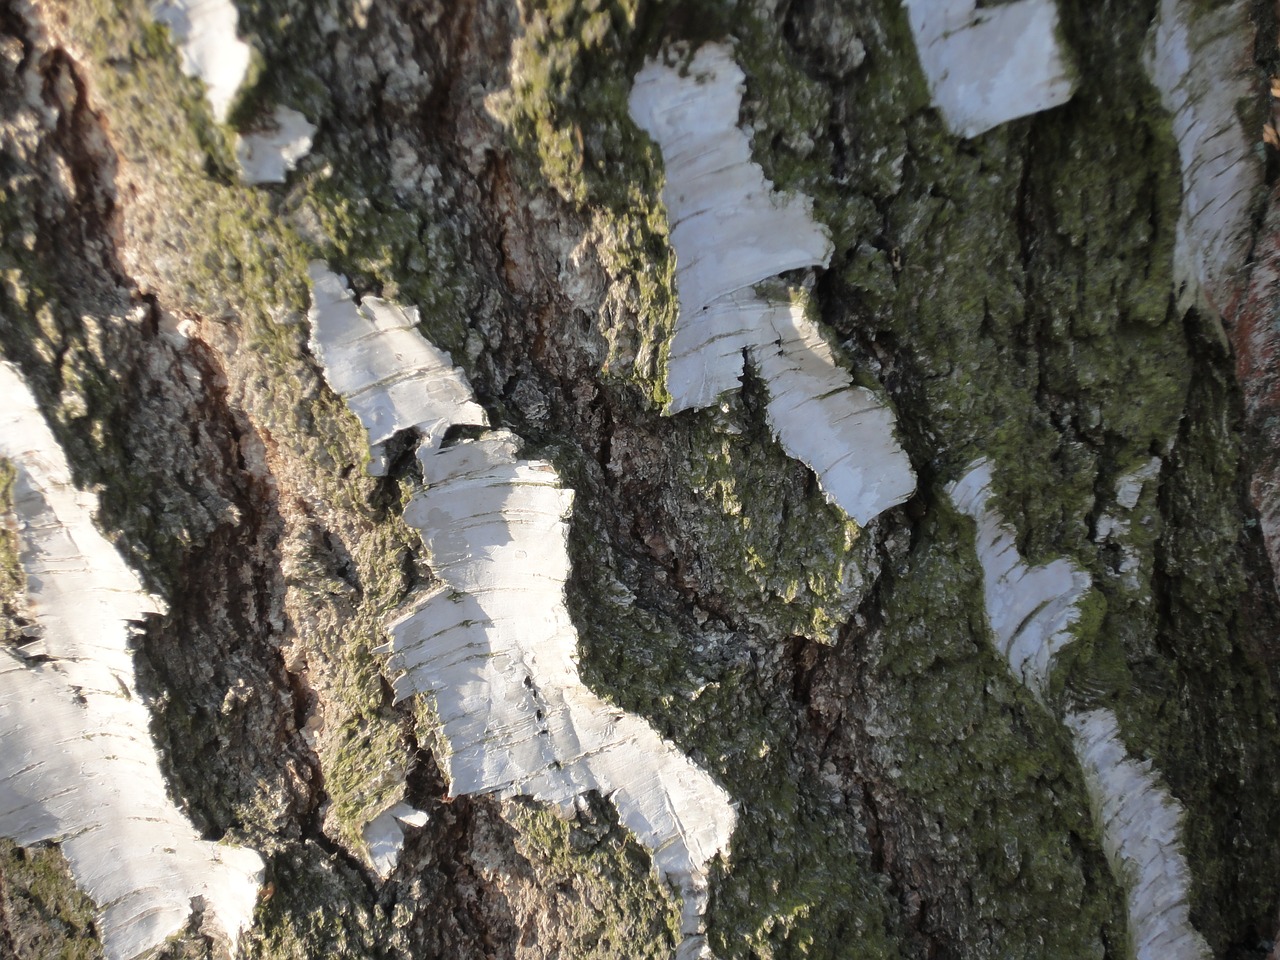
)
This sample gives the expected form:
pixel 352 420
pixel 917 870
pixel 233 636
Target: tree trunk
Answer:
pixel 1030 296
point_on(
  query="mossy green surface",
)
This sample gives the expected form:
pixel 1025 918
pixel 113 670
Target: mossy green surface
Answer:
pixel 1032 334
pixel 406 251
pixel 346 591
pixel 1020 286
pixel 13 582
pixel 757 530
pixel 615 906
pixel 772 901
pixel 315 906
pixel 571 76
pixel 766 541
pixel 364 774
pixel 46 916
pixel 1212 624
pixel 992 765
pixel 800 879
pixel 1012 294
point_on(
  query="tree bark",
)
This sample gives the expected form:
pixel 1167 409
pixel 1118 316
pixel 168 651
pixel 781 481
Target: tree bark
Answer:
pixel 1013 297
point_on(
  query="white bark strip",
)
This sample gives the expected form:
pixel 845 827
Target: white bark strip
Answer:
pixel 987 67
pixel 268 155
pixel 384 835
pixel 390 377
pixel 1031 609
pixel 844 433
pixel 731 230
pixel 1201 62
pixel 493 644
pixel 205 34
pixel 77 762
pixel 1140 830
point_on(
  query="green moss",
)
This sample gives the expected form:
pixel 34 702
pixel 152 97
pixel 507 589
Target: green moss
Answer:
pixel 13 582
pixel 403 249
pixel 1011 340
pixel 290 42
pixel 46 916
pixel 627 651
pixel 761 536
pixel 1022 283
pixel 1092 668
pixel 790 114
pixel 571 76
pixel 1204 709
pixel 364 773
pixel 363 749
pixel 611 904
pixel 800 879
pixel 794 843
pixel 786 905
pixel 315 906
pixel 804 576
pixel 237 254
pixel 988 764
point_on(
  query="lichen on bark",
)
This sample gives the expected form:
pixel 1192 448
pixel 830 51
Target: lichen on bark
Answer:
pixel 900 794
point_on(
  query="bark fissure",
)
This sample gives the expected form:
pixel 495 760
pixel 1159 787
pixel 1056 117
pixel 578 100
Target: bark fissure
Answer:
pixel 1011 293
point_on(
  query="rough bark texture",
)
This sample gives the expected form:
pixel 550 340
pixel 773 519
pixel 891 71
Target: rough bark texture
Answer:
pixel 899 793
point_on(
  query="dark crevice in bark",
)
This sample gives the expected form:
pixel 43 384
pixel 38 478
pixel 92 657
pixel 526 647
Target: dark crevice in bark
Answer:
pixel 244 618
pixel 442 853
pixel 1214 619
pixel 832 680
pixel 223 592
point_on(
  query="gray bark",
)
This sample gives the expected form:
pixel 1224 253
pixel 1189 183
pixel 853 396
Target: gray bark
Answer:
pixel 1012 296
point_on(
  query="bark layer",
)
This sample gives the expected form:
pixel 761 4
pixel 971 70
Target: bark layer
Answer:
pixel 1014 295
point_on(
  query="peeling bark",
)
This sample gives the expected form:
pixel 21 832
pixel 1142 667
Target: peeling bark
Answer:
pixel 1048 291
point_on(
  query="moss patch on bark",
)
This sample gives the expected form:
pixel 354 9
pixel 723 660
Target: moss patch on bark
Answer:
pixel 45 915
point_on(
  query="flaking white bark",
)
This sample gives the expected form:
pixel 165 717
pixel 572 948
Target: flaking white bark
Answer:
pixel 205 34
pixel 384 835
pixel 493 644
pixel 268 155
pixel 1200 60
pixel 1115 528
pixel 1141 834
pixel 375 359
pixel 731 230
pixel 1031 609
pixel 844 433
pixel 77 762
pixel 988 66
